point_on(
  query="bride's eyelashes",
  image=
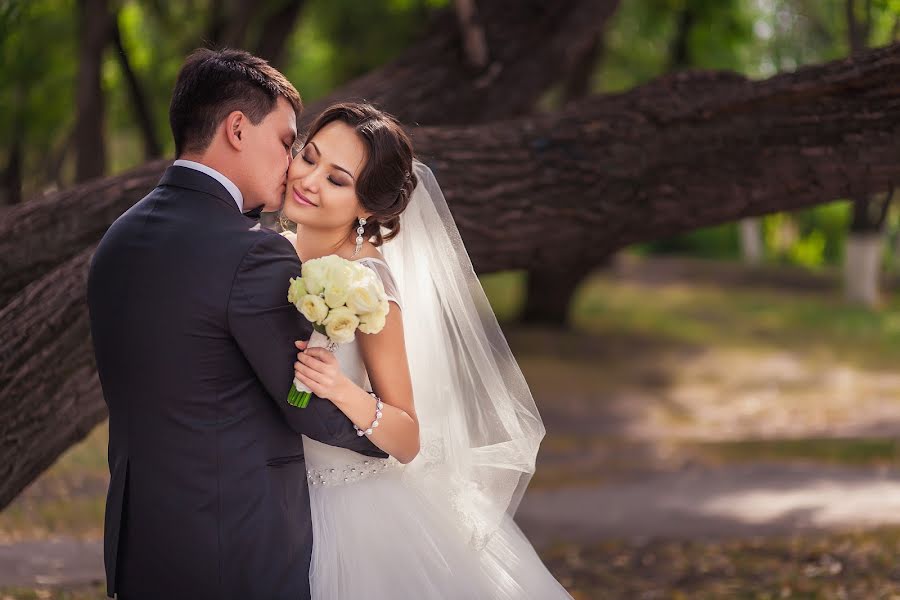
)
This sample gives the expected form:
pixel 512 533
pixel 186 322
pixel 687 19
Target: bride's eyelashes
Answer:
pixel 309 161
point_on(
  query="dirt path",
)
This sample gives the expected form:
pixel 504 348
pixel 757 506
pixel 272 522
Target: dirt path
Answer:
pixel 735 501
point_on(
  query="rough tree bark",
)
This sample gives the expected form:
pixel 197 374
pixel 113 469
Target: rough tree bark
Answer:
pixel 47 375
pixel 552 309
pixel 530 46
pixel 687 151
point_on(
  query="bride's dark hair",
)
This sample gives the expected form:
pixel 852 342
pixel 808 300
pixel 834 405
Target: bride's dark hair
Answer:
pixel 387 180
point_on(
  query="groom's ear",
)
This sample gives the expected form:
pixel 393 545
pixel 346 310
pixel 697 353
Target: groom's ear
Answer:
pixel 234 123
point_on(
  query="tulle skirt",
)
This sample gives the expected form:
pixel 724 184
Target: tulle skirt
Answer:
pixel 382 539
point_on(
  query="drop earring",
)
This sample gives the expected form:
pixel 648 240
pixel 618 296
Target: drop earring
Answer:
pixel 359 235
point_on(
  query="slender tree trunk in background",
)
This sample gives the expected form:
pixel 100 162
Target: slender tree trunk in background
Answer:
pixel 12 174
pixel 475 46
pixel 863 259
pixel 152 147
pixel 276 30
pixel 680 48
pixel 865 250
pixel 238 21
pixel 216 25
pixel 752 247
pixel 579 80
pixel 55 161
pixel 95 23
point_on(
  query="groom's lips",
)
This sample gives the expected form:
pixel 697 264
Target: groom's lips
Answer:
pixel 301 199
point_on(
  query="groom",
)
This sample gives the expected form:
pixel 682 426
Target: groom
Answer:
pixel 194 340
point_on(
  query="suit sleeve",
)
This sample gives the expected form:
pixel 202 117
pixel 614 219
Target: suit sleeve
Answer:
pixel 265 327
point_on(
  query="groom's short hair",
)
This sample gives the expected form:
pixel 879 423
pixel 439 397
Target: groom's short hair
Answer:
pixel 214 83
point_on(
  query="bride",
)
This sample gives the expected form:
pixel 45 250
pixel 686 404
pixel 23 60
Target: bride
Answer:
pixel 434 520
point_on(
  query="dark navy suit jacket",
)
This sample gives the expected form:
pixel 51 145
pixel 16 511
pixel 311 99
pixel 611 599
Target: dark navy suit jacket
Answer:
pixel 194 337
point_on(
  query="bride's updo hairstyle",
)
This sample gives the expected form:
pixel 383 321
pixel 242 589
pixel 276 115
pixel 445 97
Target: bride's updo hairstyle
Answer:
pixel 385 185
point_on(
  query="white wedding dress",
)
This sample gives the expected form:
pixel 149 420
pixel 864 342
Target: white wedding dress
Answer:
pixel 441 526
pixel 378 535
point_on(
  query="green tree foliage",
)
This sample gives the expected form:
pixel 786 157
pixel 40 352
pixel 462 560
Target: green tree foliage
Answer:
pixel 334 41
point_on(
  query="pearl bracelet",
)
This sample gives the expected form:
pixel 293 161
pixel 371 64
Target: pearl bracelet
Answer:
pixel 378 406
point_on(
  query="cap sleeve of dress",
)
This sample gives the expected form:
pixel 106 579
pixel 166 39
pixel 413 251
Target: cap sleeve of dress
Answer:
pixel 387 279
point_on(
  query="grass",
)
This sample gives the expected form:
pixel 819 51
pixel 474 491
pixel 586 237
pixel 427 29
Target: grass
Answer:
pixel 811 323
pixel 68 499
pixel 843 451
pixel 94 592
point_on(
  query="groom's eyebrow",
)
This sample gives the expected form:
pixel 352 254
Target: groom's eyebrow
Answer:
pixel 313 144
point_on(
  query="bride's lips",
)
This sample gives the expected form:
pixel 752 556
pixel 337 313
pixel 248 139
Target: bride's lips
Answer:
pixel 301 199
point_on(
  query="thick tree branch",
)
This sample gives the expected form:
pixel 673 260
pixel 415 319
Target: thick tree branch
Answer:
pixel 530 46
pixel 48 383
pixel 687 151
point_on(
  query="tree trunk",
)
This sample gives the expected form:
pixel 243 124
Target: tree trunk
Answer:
pixel 550 292
pixel 152 147
pixel 12 174
pixel 865 245
pixel 276 31
pixel 686 151
pixel 474 42
pixel 231 23
pixel 563 279
pixel 752 248
pixel 862 264
pixel 96 29
pixel 680 47
pixel 862 268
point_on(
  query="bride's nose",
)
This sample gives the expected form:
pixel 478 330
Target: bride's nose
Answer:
pixel 310 181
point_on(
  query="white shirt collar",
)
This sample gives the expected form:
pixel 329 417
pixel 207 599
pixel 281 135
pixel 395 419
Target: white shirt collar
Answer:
pixel 227 183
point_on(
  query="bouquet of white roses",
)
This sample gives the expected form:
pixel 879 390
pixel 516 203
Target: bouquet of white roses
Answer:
pixel 338 297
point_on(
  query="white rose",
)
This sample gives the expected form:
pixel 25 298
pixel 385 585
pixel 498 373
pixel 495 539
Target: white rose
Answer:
pixel 296 291
pixel 372 322
pixel 341 324
pixel 314 275
pixel 364 295
pixel 338 283
pixel 313 308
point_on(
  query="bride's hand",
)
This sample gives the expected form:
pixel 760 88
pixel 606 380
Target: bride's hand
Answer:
pixel 319 370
